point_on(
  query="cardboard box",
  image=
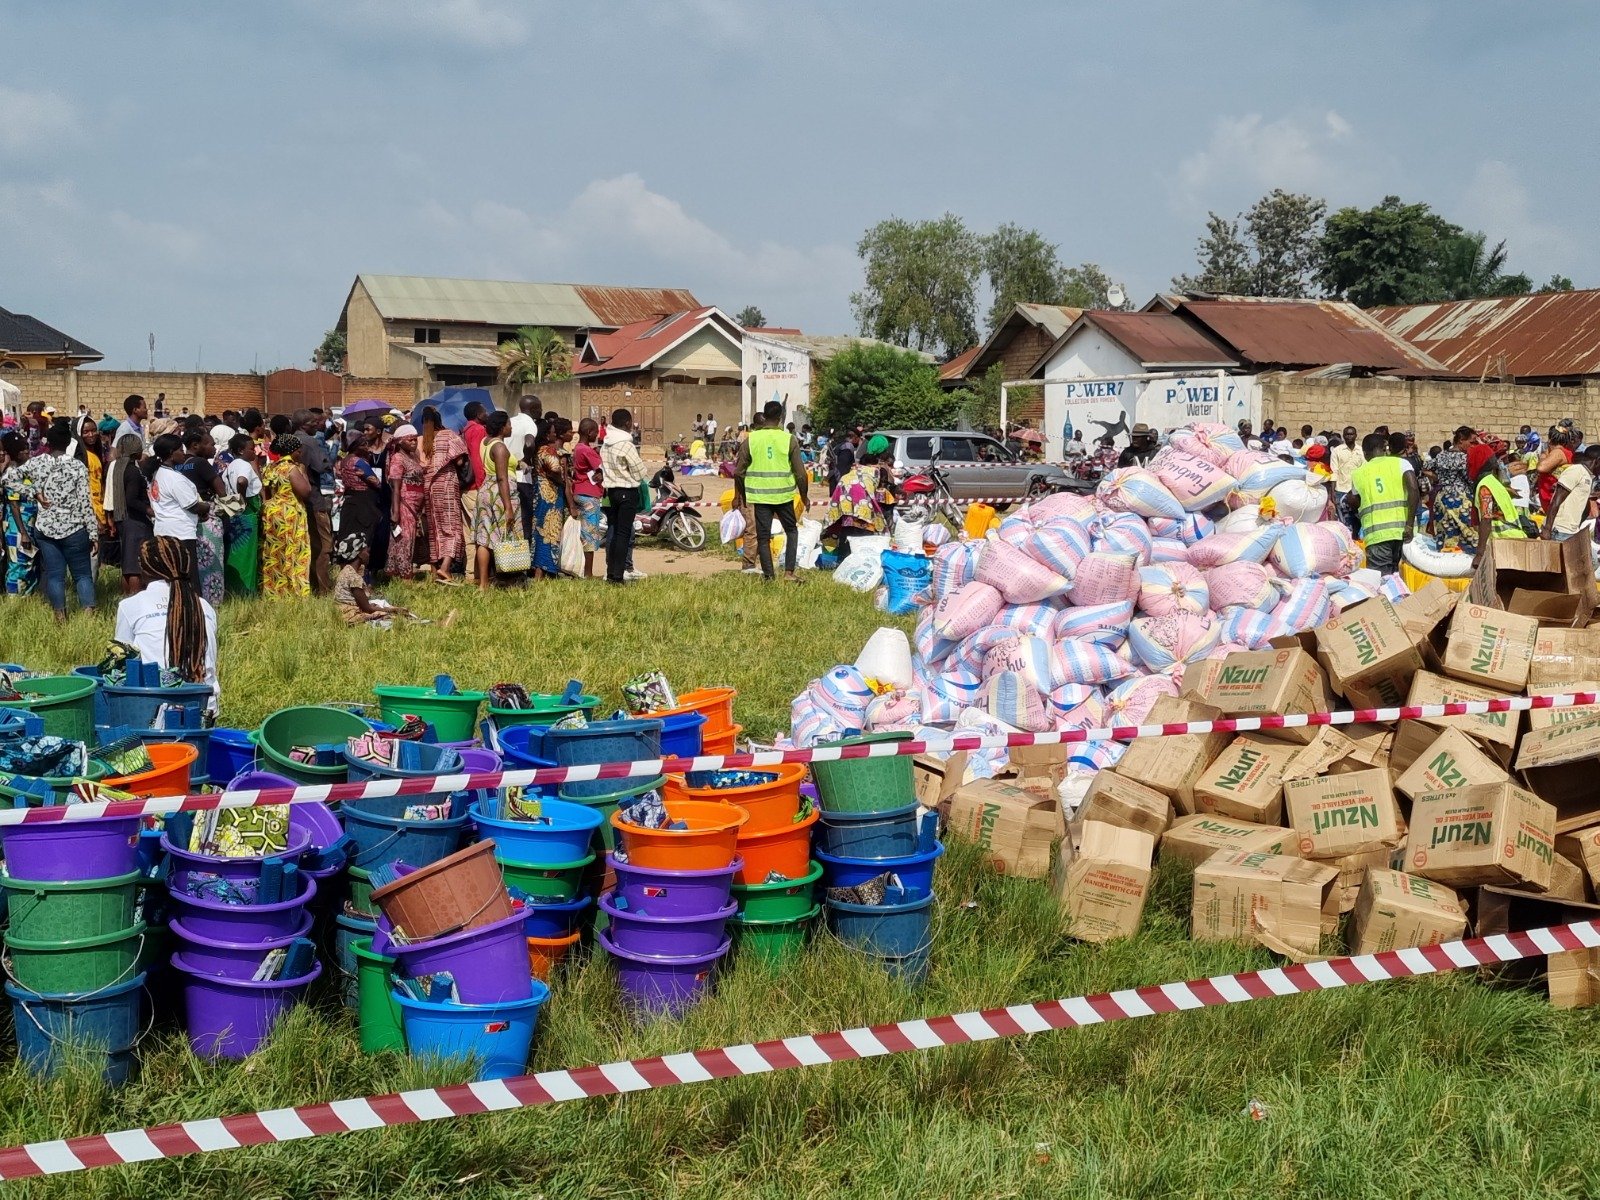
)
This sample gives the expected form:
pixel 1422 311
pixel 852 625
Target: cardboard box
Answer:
pixel 1016 824
pixel 1452 760
pixel 1411 742
pixel 1543 718
pixel 1102 888
pixel 1173 765
pixel 1557 763
pixel 1498 730
pixel 1246 780
pixel 1570 977
pixel 1485 834
pixel 1540 570
pixel 1114 799
pixel 1582 846
pixel 934 781
pixel 1369 654
pixel 1199 679
pixel 1337 815
pixel 1567 880
pixel 1491 647
pixel 1562 657
pixel 1370 745
pixel 1326 749
pixel 1196 838
pixel 1423 610
pixel 1253 683
pixel 1272 900
pixel 1352 869
pixel 1396 911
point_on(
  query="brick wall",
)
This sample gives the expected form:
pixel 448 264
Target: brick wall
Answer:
pixel 237 392
pixel 1430 408
pixel 104 391
pixel 396 393
pixel 51 388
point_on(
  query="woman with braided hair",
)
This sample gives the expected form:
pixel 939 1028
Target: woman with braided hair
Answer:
pixel 169 622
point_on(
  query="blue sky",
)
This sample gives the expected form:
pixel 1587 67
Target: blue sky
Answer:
pixel 217 173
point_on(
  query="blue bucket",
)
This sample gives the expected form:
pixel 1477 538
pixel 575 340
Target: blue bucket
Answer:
pixel 52 1027
pixel 602 742
pixel 555 920
pixel 565 839
pixel 136 707
pixel 680 734
pixel 102 710
pixel 348 930
pixel 497 1036
pixel 893 833
pixel 382 835
pixel 900 936
pixel 523 745
pixel 231 753
pixel 915 870
pixel 428 756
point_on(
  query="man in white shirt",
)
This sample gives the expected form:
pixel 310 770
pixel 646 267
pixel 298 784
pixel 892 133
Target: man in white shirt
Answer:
pixel 1344 460
pixel 622 472
pixel 711 435
pixel 1570 504
pixel 523 426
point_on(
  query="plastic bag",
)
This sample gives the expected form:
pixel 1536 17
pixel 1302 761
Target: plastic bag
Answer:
pixel 731 528
pixel 808 544
pixel 571 559
pixel 862 571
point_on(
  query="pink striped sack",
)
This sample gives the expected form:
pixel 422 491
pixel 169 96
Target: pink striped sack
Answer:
pixel 809 724
pixel 1168 550
pixel 1017 577
pixel 930 647
pixel 1130 702
pixel 1173 588
pixel 1195 482
pixel 1246 626
pixel 1012 699
pixel 1217 436
pixel 1136 490
pixel 1105 577
pixel 1306 604
pixel 1100 755
pixel 1085 662
pixel 1103 624
pixel 934 535
pixel 1260 477
pixel 1185 441
pixel 1123 533
pixel 1241 585
pixel 899 709
pixel 1059 543
pixel 1158 642
pixel 1068 505
pixel 966 610
pixel 1395 588
pixel 1030 657
pixel 954 564
pixel 1069 712
pixel 1313 551
pixel 1189 530
pixel 843 694
pixel 1221 548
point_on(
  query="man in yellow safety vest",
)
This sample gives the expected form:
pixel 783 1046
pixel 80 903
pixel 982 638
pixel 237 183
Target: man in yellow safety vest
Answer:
pixel 769 475
pixel 1383 494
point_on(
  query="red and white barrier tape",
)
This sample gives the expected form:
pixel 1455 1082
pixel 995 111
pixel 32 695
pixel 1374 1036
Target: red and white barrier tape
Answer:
pixel 823 503
pixel 649 768
pixel 644 1074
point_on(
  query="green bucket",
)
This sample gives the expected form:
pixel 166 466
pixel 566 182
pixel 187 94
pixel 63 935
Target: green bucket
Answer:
pixel 307 725
pixel 607 803
pixel 65 703
pixel 865 784
pixel 85 964
pixel 60 784
pixel 773 943
pixel 377 1013
pixel 454 717
pixel 56 912
pixel 781 900
pixel 541 710
pixel 557 881
pixel 361 892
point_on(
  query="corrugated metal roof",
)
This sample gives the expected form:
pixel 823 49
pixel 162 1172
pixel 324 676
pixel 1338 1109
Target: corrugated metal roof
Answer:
pixel 437 355
pixel 634 347
pixel 22 334
pixel 1554 335
pixel 956 369
pixel 1052 318
pixel 1160 339
pixel 511 304
pixel 1307 333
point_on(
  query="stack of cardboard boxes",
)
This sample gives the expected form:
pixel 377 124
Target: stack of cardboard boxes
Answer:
pixel 1416 829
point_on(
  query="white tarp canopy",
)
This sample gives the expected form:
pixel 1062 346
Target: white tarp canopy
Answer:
pixel 10 398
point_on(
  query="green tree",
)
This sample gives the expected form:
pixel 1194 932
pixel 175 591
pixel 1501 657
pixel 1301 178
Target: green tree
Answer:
pixel 535 355
pixel 750 317
pixel 979 403
pixel 330 355
pixel 921 284
pixel 1023 267
pixel 882 388
pixel 1468 267
pixel 1557 283
pixel 1270 250
pixel 1085 286
pixel 1387 254
pixel 1224 261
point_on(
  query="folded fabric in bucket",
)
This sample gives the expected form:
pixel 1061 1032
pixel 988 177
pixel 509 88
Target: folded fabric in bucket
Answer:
pixel 647 811
pixel 125 756
pixel 426 812
pixel 509 696
pixel 871 893
pixel 205 885
pixel 241 832
pixel 574 720
pixel 649 692
pixel 46 755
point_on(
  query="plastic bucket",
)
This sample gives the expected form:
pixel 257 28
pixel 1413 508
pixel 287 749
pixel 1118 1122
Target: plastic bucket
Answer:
pixel 681 734
pixel 361 892
pixel 602 742
pixel 200 739
pixel 231 1018
pixel 347 931
pixel 53 1029
pixel 673 893
pixel 85 964
pixel 230 753
pixel 498 1037
pixel 542 710
pixel 900 935
pixel 552 881
pixel 710 842
pixel 774 942
pixel 243 923
pixel 555 920
pixel 607 803
pixel 65 703
pixel 64 851
pixel 651 936
pixel 453 717
pixel 784 900
pixel 567 835
pixel 915 870
pixel 138 707
pixel 892 834
pixel 489 962
pixel 377 1011
pixel 380 835
pixel 235 869
pixel 770 805
pixel 865 784
pixel 428 756
pixel 785 851
pixel 308 725
pixel 102 715
pixel 715 704
pixel 46 912
pixel 721 743
pixel 61 785
pixel 523 746
pixel 229 959
pixel 665 986
pixel 171 764
pixel 546 954
pixel 464 891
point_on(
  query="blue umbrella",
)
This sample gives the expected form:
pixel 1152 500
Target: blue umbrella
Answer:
pixel 450 402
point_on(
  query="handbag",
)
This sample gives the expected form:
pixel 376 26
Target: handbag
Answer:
pixel 572 547
pixel 464 475
pixel 512 556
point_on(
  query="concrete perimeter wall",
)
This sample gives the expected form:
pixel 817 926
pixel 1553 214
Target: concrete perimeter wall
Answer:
pixel 1431 409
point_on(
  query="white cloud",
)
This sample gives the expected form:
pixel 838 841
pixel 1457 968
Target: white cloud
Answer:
pixel 1497 201
pixel 35 120
pixel 477 24
pixel 1309 153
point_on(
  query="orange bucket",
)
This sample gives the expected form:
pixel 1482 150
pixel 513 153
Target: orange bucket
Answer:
pixel 721 742
pixel 546 954
pixel 717 705
pixel 168 775
pixel 710 842
pixel 770 805
pixel 786 850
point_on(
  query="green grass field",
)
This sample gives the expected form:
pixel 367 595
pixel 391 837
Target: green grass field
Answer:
pixel 1428 1088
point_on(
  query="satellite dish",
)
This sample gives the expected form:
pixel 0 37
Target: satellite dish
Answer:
pixel 1116 295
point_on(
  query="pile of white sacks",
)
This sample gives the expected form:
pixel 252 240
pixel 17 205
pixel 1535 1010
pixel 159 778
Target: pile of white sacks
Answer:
pixel 1081 611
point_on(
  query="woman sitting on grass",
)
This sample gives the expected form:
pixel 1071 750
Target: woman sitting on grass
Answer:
pixel 356 604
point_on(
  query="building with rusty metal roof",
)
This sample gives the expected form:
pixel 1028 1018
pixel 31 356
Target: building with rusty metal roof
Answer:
pixel 1016 343
pixel 1551 338
pixel 1150 341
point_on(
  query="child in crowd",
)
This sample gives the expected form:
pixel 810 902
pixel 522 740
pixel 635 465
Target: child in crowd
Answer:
pixel 356 604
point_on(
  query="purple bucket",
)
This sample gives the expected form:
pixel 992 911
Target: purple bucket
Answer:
pixel 230 960
pixel 235 869
pixel 674 893
pixel 314 816
pixel 650 936
pixel 64 851
pixel 243 923
pixel 662 985
pixel 230 1018
pixel 490 963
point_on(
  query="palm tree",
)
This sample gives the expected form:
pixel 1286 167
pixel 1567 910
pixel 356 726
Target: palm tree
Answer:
pixel 534 356
pixel 1469 267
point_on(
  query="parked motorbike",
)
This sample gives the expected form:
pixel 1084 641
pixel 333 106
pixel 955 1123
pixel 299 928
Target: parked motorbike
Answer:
pixel 673 517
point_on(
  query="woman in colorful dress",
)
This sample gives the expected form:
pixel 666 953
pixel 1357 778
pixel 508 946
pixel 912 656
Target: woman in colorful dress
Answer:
pixel 241 569
pixel 550 502
pixel 1452 496
pixel 587 491
pixel 497 518
pixel 91 453
pixel 408 499
pixel 442 453
pixel 20 510
pixel 202 472
pixel 857 506
pixel 359 509
pixel 285 538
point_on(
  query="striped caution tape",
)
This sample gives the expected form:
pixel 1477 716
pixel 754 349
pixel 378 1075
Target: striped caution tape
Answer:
pixel 649 768
pixel 61 1156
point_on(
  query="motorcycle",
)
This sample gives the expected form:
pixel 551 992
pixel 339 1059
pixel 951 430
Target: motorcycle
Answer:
pixel 678 454
pixel 673 516
pixel 926 494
